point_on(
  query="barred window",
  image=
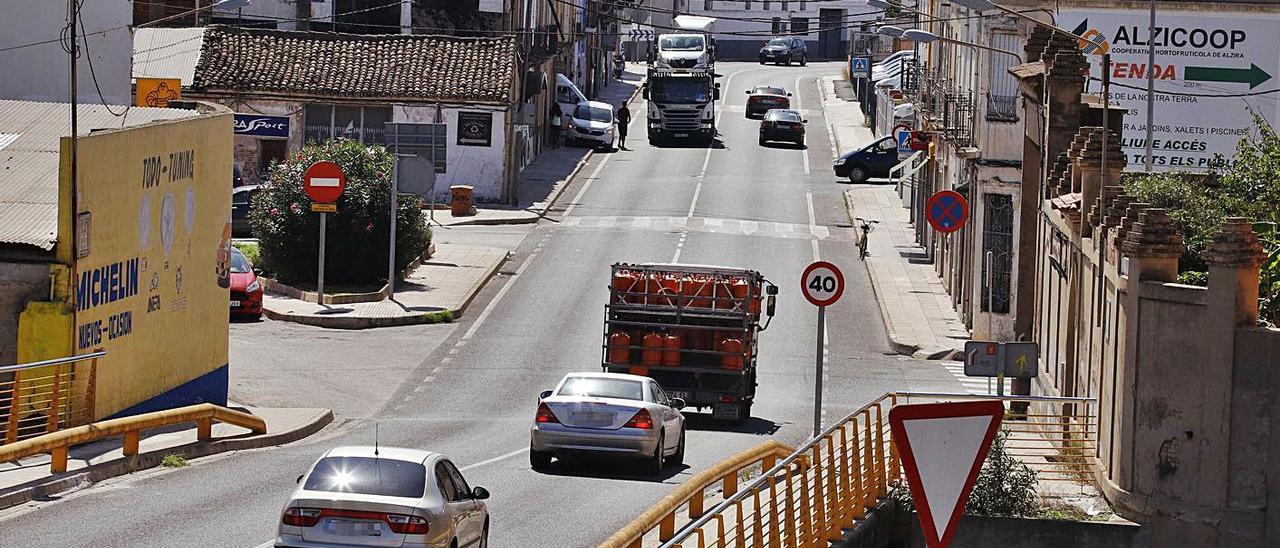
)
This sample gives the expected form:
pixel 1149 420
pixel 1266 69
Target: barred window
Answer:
pixel 997 239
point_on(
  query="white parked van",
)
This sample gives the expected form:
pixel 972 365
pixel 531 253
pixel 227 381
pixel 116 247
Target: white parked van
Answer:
pixel 568 95
pixel 591 123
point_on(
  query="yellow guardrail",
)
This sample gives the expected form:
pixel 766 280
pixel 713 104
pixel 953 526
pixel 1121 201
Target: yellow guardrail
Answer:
pixel 42 397
pixel 693 492
pixel 813 494
pixel 57 443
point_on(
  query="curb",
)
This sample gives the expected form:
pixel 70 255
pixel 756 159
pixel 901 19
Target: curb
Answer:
pixel 897 345
pixel 151 459
pixel 362 322
pixel 476 287
pixel 494 222
pixel 568 180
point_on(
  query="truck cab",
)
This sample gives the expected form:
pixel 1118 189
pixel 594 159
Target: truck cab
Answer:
pixel 683 51
pixel 681 104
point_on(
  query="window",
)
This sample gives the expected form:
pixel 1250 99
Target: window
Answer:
pixel 271 151
pixel 1002 92
pixel 594 114
pixel 746 5
pixel 325 122
pixel 766 5
pixel 600 387
pixel 429 141
pixel 801 5
pixel 784 5
pixel 997 239
pixel 682 43
pixel 709 5
pixel 448 491
pixel 778 26
pixel 654 396
pixel 462 490
pixel 800 25
pixel 368 476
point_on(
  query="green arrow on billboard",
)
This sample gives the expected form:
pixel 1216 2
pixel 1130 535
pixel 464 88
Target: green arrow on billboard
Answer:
pixel 1252 75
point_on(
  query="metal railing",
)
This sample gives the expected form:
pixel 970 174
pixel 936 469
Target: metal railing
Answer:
pixel 815 493
pixel 58 443
pixel 41 397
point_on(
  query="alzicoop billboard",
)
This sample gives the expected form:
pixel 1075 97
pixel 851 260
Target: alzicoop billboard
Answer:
pixel 1197 54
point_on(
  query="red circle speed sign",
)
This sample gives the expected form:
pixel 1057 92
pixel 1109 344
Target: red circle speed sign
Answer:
pixel 324 182
pixel 822 283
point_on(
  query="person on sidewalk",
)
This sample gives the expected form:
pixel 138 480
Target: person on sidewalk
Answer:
pixel 556 123
pixel 624 119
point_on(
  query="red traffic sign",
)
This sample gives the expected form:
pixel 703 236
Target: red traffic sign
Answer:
pixel 943 446
pixel 324 182
pixel 946 211
pixel 822 283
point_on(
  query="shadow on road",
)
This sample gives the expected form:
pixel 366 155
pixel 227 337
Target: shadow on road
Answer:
pixel 753 425
pixel 614 468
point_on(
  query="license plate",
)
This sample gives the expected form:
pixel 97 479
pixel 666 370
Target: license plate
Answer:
pixel 593 419
pixel 686 396
pixel 235 304
pixel 354 528
pixel 724 411
pixel 682 135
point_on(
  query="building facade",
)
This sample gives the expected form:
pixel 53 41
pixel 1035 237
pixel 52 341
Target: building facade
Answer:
pixel 743 26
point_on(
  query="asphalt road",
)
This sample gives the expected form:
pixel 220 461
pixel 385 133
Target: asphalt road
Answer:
pixel 774 209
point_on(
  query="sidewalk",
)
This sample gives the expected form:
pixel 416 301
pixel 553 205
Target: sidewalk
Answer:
pixel 29 479
pixel 917 310
pixel 437 291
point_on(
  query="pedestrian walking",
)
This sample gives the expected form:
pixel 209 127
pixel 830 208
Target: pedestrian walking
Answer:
pixel 556 123
pixel 624 119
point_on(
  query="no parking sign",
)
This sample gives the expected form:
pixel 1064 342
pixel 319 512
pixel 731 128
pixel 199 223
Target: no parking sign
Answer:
pixel 946 211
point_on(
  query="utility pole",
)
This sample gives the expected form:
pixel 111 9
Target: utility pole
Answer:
pixel 73 12
pixel 1151 83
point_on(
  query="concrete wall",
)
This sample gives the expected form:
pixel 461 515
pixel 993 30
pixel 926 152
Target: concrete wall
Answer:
pixel 44 68
pixel 478 166
pixel 19 284
pixel 985 532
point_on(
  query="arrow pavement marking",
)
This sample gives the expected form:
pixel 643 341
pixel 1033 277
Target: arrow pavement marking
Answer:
pixel 1253 75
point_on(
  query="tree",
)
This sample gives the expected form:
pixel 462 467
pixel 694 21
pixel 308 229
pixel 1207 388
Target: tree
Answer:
pixel 356 243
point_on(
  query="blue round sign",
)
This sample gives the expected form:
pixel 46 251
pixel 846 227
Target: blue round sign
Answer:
pixel 946 211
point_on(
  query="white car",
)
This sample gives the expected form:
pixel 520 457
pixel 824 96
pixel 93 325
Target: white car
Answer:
pixel 591 123
pixel 366 496
pixel 608 414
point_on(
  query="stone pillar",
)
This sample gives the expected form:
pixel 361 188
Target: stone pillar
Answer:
pixel 1234 258
pixel 1064 82
pixel 1153 246
pixel 1036 42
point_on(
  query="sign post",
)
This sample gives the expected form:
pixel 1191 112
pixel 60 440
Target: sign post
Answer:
pixel 942 446
pixel 822 283
pixel 324 182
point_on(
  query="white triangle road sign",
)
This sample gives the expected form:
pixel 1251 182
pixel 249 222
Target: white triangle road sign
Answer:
pixel 942 446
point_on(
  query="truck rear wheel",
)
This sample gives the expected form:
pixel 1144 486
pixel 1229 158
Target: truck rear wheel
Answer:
pixel 744 412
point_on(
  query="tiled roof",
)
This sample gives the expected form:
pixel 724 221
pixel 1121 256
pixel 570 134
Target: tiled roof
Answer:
pixel 30 133
pixel 386 66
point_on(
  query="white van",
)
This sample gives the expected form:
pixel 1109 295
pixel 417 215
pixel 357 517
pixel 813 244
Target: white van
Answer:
pixel 568 95
pixel 683 51
pixel 591 123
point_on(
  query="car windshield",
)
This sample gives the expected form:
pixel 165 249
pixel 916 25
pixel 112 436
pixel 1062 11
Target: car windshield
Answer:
pixel 774 42
pixel 595 114
pixel 680 90
pixel 682 43
pixel 239 264
pixel 368 476
pixel 766 90
pixel 779 115
pixel 599 387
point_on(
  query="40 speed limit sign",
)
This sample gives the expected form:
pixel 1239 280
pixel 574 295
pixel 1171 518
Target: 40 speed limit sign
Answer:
pixel 822 283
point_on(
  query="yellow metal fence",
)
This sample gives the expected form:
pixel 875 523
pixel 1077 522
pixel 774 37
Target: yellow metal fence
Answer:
pixel 814 493
pixel 42 397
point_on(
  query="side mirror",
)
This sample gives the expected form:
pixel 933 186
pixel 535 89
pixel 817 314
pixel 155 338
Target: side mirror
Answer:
pixel 748 93
pixel 258 271
pixel 772 305
pixel 677 403
pixel 644 92
pixel 801 121
pixel 479 493
pixel 544 395
pixel 715 93
pixel 299 480
pixel 788 95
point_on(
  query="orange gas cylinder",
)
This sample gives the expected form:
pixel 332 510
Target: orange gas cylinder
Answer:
pixel 671 350
pixel 623 282
pixel 652 353
pixel 619 347
pixel 706 290
pixel 738 287
pixel 652 287
pixel 688 291
pixel 732 359
pixel 638 370
pixel 724 298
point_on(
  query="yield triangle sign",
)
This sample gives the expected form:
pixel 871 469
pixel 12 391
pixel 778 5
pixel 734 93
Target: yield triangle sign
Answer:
pixel 942 447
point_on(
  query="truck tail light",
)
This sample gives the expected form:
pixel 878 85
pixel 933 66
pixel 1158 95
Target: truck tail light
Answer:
pixel 640 420
pixel 300 517
pixel 545 416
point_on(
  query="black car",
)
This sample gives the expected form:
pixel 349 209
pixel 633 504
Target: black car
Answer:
pixel 782 125
pixel 784 51
pixel 241 201
pixel 765 98
pixel 873 160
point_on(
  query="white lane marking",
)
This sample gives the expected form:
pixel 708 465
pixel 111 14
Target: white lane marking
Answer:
pixel 493 460
pixel 590 179
pixel 502 292
pixel 702 176
pixel 804 149
pixel 679 247
pixel 267 544
pixel 446 359
pixel 813 223
pixel 437 369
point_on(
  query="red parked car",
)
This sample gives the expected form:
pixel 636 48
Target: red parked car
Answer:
pixel 246 291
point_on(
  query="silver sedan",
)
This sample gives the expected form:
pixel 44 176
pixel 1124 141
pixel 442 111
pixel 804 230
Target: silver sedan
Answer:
pixel 608 413
pixel 388 496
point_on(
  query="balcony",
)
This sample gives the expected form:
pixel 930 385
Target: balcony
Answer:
pixel 1002 108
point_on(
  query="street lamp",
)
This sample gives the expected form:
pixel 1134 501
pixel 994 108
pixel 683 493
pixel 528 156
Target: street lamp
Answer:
pixel 925 37
pixel 890 30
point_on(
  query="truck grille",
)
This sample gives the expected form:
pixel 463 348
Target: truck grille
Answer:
pixel 682 63
pixel 682 119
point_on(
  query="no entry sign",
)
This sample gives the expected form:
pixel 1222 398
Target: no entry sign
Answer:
pixel 822 283
pixel 946 211
pixel 324 182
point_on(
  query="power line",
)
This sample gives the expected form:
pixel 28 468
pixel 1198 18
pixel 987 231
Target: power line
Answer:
pixel 1185 94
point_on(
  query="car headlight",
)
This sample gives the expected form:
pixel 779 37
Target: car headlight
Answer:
pixel 253 287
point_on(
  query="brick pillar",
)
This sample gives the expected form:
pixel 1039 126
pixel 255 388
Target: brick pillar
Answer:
pixel 1234 258
pixel 1036 42
pixel 1153 246
pixel 1064 82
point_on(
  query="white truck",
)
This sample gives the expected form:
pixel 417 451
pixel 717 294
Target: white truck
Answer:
pixel 681 104
pixel 692 49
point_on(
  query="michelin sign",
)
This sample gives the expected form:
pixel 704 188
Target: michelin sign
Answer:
pixel 1205 64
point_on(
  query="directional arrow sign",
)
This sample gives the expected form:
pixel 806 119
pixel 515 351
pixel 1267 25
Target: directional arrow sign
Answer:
pixel 1252 75
pixel 942 447
pixel 1020 359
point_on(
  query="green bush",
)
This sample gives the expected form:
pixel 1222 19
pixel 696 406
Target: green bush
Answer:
pixel 250 251
pixel 1005 486
pixel 356 245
